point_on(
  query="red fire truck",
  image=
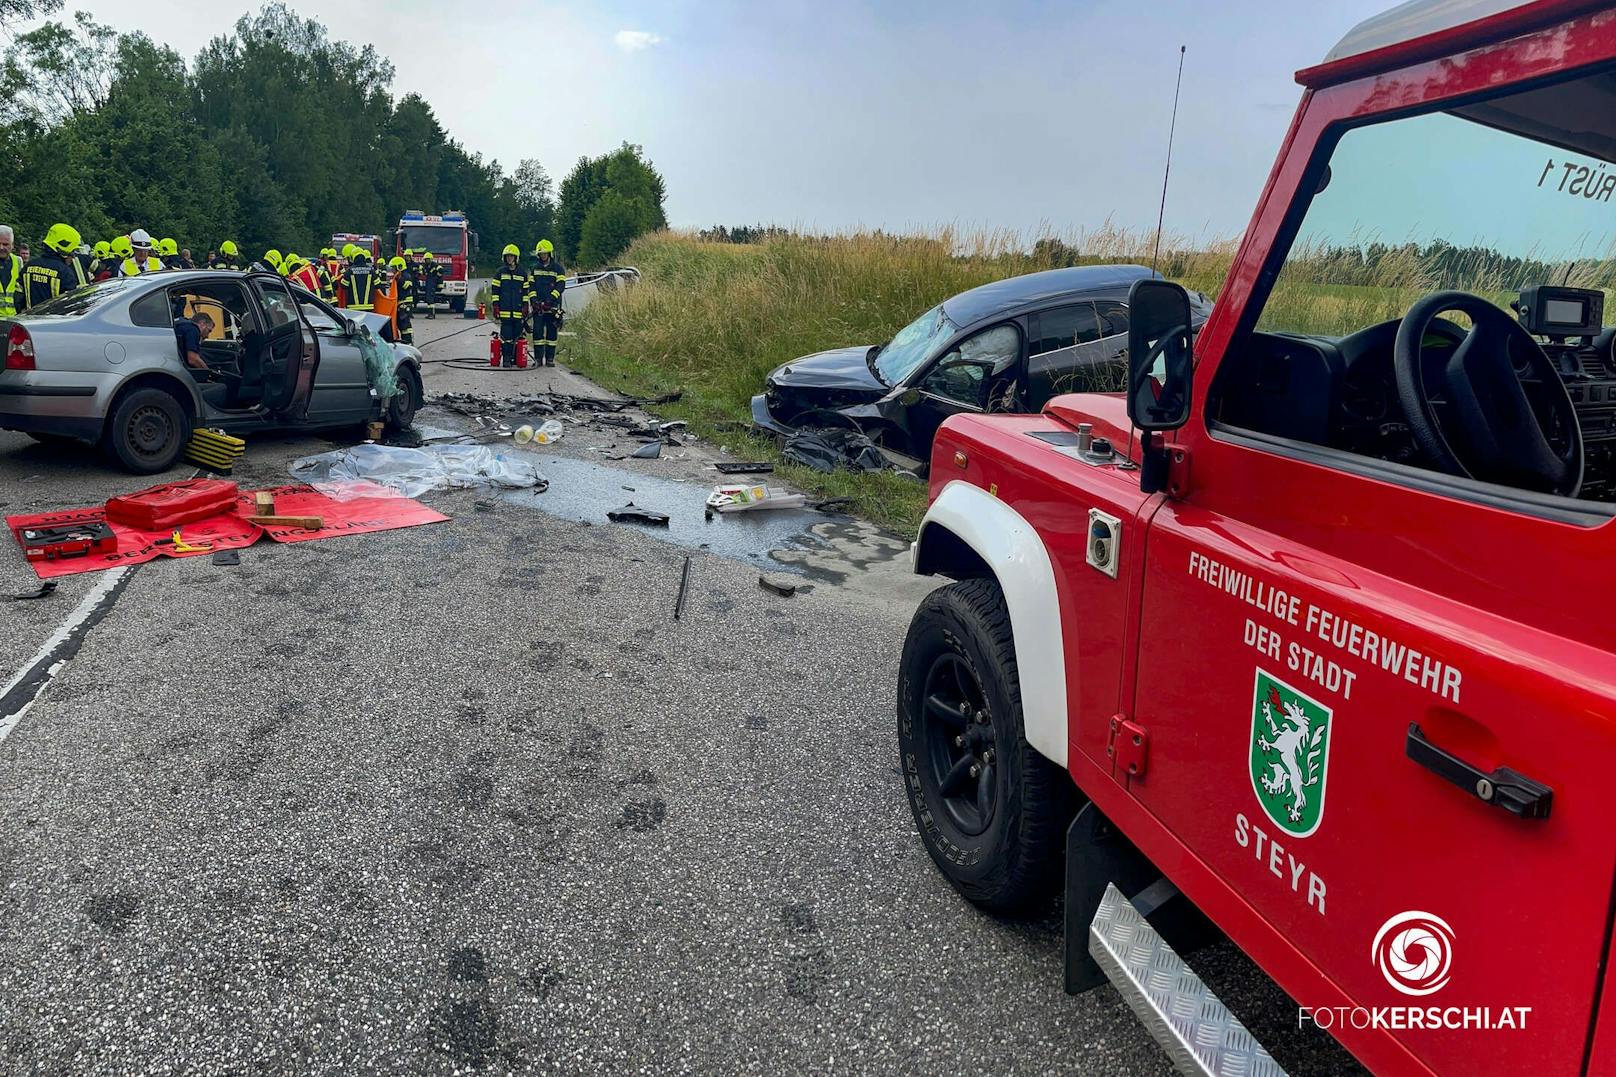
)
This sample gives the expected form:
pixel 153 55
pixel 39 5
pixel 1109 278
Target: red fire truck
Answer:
pixel 1309 631
pixel 451 243
pixel 370 244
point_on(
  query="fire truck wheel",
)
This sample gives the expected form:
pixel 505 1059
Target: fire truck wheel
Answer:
pixel 991 810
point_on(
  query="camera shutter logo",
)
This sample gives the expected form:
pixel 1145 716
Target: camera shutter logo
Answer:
pixel 1414 951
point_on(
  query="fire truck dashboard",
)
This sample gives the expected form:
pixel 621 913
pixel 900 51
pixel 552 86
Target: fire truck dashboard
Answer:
pixel 1343 392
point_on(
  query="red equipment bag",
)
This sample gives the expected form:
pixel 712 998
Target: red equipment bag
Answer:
pixel 167 506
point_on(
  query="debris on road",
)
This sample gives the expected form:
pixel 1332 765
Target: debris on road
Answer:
pixel 684 585
pixel 28 596
pixel 649 451
pixel 751 498
pixel 824 449
pixel 744 467
pixel 783 586
pixel 634 514
pixel 227 557
pixel 346 473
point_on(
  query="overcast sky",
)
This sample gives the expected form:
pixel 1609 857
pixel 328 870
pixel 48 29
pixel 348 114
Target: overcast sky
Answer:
pixel 827 115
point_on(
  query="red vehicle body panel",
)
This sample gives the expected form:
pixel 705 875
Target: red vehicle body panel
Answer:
pixel 1511 613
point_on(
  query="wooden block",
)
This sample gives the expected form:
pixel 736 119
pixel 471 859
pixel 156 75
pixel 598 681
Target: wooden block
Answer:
pixel 313 523
pixel 264 503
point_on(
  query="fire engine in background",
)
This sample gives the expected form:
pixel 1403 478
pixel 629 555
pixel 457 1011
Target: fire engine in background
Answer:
pixel 1309 631
pixel 371 244
pixel 451 243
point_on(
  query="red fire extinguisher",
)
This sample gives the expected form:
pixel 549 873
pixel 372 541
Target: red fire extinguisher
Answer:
pixel 482 312
pixel 493 350
pixel 521 352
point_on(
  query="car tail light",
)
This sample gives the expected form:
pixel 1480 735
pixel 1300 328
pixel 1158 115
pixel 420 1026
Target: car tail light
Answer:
pixel 19 349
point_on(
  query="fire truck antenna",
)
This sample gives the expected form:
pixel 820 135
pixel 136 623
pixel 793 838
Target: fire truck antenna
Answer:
pixel 1161 212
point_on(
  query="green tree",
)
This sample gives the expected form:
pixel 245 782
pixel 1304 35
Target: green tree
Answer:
pixel 612 224
pixel 624 171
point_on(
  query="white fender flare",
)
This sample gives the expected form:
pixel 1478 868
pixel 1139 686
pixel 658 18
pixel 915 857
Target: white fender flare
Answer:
pixel 1016 556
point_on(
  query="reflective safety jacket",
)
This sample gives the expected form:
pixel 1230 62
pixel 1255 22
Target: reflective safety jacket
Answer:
pixel 129 267
pixel 307 276
pixel 509 290
pixel 547 283
pixel 48 276
pixel 358 281
pixel 11 288
pixel 406 288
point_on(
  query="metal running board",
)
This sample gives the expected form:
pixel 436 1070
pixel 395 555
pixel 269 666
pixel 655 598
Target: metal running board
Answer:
pixel 1192 1025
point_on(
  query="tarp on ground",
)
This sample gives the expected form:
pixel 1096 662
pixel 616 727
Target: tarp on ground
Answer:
pixel 416 471
pixel 360 514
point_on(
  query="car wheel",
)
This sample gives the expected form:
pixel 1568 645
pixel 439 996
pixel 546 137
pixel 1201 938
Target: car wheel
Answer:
pixel 147 431
pixel 991 811
pixel 401 408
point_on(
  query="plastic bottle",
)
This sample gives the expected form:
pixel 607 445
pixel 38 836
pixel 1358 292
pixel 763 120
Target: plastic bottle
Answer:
pixel 550 431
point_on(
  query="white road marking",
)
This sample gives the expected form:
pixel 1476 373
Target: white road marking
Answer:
pixel 57 651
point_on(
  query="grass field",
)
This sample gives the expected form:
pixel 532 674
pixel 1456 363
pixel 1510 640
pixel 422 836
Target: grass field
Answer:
pixel 712 319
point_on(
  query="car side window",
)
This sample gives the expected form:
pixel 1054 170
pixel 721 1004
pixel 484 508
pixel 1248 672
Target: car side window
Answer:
pixel 971 368
pixel 278 305
pixel 152 310
pixel 1113 317
pixel 1063 327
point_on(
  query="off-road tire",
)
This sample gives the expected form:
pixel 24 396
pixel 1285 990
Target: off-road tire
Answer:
pixel 1015 863
pixel 401 408
pixel 147 431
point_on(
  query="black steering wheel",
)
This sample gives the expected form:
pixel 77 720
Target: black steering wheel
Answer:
pixel 1478 420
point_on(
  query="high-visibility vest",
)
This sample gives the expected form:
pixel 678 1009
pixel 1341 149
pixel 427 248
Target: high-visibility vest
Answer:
pixel 132 268
pixel 10 285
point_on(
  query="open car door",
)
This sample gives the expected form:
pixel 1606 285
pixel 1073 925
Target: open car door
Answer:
pixel 290 353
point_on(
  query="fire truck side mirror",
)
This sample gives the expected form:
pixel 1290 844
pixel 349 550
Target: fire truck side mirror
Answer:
pixel 1161 371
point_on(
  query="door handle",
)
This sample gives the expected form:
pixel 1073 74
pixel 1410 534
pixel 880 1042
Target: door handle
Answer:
pixel 1502 788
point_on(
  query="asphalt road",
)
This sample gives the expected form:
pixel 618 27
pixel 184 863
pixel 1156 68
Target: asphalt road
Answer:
pixel 466 798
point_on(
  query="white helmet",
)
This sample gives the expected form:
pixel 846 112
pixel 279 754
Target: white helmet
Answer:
pixel 140 238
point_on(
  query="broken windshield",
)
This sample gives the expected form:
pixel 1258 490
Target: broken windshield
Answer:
pixel 899 357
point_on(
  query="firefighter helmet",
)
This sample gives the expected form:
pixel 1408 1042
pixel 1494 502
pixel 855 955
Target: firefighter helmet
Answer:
pixel 122 247
pixel 62 238
pixel 544 246
pixel 511 251
pixel 103 249
pixel 228 247
pixel 168 248
pixel 397 261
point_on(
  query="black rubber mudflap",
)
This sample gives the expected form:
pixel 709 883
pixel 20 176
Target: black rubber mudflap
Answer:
pixel 1096 854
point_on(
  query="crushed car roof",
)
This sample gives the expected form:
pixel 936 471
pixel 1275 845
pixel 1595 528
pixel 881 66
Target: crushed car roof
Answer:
pixel 1012 293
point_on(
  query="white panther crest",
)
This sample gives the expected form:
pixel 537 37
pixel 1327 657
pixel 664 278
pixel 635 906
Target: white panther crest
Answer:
pixel 1298 747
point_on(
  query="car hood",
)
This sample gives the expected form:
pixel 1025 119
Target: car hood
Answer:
pixel 839 368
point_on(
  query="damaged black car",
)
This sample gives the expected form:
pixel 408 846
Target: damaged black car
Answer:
pixel 1006 346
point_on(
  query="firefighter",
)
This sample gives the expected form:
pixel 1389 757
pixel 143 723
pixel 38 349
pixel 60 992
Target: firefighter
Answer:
pixel 10 274
pixel 303 273
pixel 404 290
pixel 101 262
pixel 169 251
pixel 358 281
pixel 56 271
pixel 432 279
pixel 329 269
pixel 139 258
pixel 548 281
pixel 510 294
pixel 272 260
pixel 229 256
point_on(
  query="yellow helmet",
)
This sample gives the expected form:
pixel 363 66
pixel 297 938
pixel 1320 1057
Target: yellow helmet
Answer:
pixel 122 247
pixel 328 252
pixel 228 247
pixel 62 238
pixel 512 251
pixel 103 249
pixel 428 256
pixel 349 250
pixel 397 261
pixel 544 247
pixel 273 257
pixel 167 247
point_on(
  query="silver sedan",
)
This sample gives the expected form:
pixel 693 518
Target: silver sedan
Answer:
pixel 102 365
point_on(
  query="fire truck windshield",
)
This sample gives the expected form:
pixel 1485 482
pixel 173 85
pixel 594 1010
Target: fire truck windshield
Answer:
pixel 437 238
pixel 1487 198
